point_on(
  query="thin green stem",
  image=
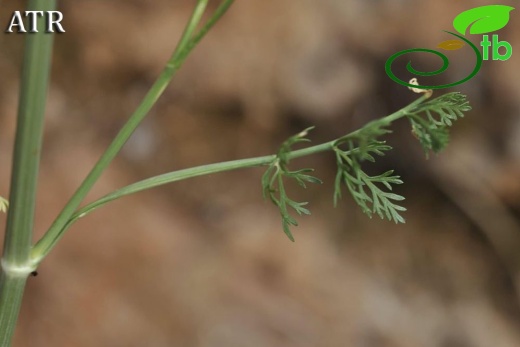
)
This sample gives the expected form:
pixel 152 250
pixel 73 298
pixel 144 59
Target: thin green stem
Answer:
pixel 180 175
pixel 186 44
pixel 388 119
pixel 170 177
pixel 16 265
pixel 189 29
pixel 219 12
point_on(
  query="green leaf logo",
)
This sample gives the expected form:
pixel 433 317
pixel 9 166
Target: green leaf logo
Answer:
pixel 482 20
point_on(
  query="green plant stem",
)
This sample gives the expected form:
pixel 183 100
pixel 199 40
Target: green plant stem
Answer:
pixel 16 262
pixel 189 29
pixel 11 294
pixel 186 44
pixel 219 167
pixel 219 12
pixel 29 133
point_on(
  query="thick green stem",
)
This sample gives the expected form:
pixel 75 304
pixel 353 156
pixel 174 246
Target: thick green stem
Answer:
pixel 11 294
pixel 31 111
pixel 16 262
pixel 185 46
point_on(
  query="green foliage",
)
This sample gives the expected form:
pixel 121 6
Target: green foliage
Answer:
pixel 430 136
pixel 365 138
pixel 449 107
pixel 440 113
pixel 374 194
pixel 273 183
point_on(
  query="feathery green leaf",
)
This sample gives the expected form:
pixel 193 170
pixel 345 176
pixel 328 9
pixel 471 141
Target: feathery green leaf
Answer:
pixel 431 129
pixel 273 183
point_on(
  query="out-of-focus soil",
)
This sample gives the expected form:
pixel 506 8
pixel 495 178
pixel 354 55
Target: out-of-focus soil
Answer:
pixel 204 262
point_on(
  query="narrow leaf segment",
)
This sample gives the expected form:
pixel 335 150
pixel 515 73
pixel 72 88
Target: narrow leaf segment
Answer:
pixel 273 183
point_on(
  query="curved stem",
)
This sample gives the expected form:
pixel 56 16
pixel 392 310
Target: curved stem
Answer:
pixel 185 46
pixel 179 175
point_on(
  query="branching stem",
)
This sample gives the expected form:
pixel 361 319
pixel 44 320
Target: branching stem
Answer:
pixel 186 44
pixel 180 175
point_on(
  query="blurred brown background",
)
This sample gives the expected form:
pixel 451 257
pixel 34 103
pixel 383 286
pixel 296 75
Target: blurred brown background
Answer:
pixel 204 262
